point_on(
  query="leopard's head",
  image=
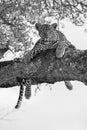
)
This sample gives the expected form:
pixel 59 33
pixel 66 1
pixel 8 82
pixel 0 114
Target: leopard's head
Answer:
pixel 47 32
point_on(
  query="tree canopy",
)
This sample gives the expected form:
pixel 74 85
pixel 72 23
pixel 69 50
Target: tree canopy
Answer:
pixel 18 17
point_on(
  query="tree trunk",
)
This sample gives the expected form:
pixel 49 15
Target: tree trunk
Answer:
pixel 46 68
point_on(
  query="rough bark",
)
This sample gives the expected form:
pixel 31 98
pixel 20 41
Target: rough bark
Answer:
pixel 46 68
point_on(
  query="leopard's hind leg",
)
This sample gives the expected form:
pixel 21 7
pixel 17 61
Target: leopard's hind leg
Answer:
pixel 28 89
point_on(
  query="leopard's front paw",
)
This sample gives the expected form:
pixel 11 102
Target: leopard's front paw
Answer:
pixel 60 51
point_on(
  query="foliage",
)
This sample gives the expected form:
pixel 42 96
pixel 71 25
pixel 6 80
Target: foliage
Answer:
pixel 18 17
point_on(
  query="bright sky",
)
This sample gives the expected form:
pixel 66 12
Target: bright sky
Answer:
pixel 56 109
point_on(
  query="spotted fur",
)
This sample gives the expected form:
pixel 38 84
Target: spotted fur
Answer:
pixel 28 89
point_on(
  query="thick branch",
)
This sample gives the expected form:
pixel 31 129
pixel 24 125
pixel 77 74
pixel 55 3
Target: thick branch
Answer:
pixel 46 68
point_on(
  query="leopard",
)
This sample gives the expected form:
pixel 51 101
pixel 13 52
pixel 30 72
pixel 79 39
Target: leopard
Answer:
pixel 50 38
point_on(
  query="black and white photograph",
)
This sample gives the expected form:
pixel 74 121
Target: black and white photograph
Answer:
pixel 43 64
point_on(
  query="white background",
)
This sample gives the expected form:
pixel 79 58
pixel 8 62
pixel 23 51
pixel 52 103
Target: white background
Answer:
pixel 56 109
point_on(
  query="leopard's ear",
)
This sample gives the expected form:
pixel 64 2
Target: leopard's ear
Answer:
pixel 38 26
pixel 54 25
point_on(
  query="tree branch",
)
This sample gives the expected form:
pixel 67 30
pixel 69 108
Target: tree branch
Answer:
pixel 46 68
